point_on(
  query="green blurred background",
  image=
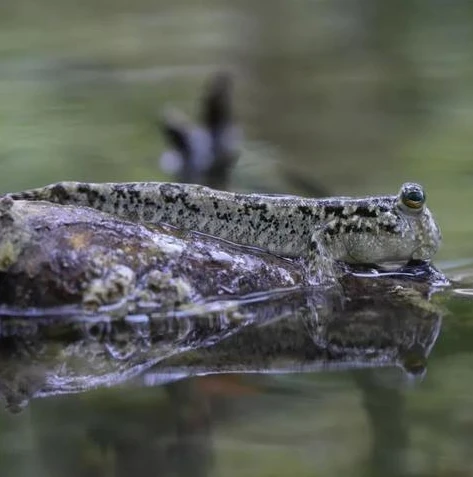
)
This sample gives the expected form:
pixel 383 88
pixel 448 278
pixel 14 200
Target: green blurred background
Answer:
pixel 359 95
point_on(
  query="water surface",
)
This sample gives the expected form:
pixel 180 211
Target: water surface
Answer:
pixel 368 382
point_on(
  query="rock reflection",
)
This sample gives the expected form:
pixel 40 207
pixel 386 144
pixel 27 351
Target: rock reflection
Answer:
pixel 375 322
pixel 371 322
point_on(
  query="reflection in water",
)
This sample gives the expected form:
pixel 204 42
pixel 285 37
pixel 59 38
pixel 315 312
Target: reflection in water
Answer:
pixel 158 420
pixel 386 412
pixel 366 322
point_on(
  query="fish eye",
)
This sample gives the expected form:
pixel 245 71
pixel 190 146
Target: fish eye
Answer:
pixel 412 196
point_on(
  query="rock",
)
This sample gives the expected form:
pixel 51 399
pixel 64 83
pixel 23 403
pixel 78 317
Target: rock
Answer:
pixel 52 255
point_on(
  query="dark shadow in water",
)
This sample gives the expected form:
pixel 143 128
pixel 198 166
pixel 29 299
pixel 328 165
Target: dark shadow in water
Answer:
pixel 385 410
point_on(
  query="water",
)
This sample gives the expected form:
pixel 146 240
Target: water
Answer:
pixel 360 381
pixel 357 97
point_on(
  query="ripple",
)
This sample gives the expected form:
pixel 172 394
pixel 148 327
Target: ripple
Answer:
pixel 463 291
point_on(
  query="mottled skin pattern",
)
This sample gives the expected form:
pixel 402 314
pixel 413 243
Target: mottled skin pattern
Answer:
pixel 372 230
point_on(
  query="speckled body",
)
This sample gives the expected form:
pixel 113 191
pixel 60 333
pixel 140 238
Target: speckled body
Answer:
pixel 354 230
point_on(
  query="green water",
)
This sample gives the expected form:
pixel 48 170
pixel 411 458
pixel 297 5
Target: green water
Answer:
pixel 372 387
pixel 358 96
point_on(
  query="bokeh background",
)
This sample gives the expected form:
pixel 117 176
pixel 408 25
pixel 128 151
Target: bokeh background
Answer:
pixel 357 95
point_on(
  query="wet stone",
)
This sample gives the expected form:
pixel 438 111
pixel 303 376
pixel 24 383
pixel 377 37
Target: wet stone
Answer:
pixel 54 255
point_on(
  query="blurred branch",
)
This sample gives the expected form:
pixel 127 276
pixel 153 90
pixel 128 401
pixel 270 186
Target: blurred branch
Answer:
pixel 204 153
